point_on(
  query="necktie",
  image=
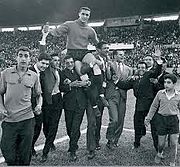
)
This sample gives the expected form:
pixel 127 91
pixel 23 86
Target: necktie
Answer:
pixel 119 70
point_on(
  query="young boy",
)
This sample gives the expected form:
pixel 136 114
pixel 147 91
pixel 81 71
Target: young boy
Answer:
pixel 167 105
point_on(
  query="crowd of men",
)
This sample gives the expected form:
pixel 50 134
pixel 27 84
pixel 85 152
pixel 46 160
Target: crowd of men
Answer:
pixel 33 97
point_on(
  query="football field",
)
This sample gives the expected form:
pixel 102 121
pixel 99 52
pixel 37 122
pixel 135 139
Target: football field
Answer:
pixel 124 155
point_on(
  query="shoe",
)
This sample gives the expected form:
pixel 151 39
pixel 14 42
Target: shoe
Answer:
pixel 172 164
pixel 110 145
pixel 104 101
pixel 98 147
pixel 116 145
pixel 43 158
pixel 34 154
pixel 73 156
pixel 97 112
pixel 158 158
pixel 91 155
pixel 53 148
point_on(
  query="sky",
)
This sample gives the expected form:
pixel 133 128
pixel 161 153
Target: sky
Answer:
pixel 27 12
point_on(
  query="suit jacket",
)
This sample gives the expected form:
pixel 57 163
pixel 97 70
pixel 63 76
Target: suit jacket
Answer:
pixel 160 85
pixel 33 98
pixel 143 88
pixel 48 81
pixel 74 97
pixel 125 73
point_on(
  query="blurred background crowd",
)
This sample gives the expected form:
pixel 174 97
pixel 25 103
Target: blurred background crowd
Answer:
pixel 144 38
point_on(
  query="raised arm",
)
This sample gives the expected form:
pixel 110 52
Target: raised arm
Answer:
pixel 59 31
pixel 42 46
pixel 157 71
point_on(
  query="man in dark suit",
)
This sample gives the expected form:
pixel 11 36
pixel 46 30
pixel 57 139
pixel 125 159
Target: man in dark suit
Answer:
pixel 74 102
pixel 144 93
pixel 52 99
pixel 52 103
pixel 39 67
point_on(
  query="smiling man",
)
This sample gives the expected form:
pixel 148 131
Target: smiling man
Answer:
pixel 79 35
pixel 52 103
pixel 144 93
pixel 41 65
pixel 74 100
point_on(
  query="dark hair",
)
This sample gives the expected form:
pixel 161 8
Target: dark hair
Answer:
pixel 23 48
pixel 68 57
pixel 44 56
pixel 148 55
pixel 142 62
pixel 100 44
pixel 172 77
pixel 54 54
pixel 84 8
pixel 115 52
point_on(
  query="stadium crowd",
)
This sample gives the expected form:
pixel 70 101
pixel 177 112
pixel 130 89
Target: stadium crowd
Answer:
pixel 35 89
pixel 144 39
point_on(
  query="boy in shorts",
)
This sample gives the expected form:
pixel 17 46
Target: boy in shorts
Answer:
pixel 167 105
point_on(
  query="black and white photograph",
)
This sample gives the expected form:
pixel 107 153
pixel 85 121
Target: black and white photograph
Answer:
pixel 89 82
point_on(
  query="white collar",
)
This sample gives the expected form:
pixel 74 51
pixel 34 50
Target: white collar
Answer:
pixel 149 68
pixel 36 68
pixel 175 91
pixel 170 96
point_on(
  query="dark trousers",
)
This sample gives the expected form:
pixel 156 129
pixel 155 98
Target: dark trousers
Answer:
pixel 95 89
pixel 77 54
pixel 91 128
pixel 139 127
pixel 16 142
pixel 113 115
pixel 121 116
pixel 37 128
pixel 51 116
pixel 99 122
pixel 154 132
pixel 73 120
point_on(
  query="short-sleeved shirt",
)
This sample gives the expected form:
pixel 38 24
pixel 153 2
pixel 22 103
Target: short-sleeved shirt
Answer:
pixel 17 93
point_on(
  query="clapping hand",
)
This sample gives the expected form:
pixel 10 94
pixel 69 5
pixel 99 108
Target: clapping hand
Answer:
pixel 74 83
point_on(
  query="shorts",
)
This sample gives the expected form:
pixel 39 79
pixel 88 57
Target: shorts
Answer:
pixel 77 54
pixel 167 124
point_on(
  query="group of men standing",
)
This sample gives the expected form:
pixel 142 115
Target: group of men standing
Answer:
pixel 24 94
